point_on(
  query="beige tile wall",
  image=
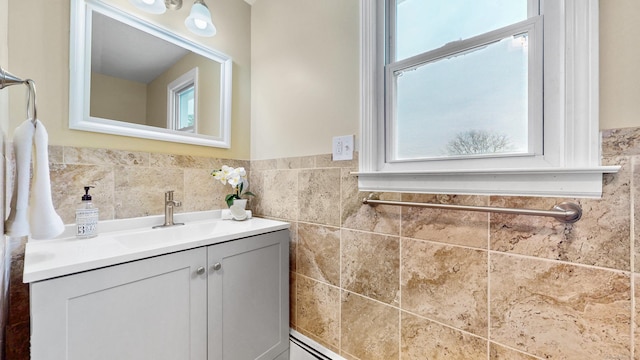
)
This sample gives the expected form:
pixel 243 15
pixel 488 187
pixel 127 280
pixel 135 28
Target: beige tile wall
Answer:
pixel 131 184
pixel 407 283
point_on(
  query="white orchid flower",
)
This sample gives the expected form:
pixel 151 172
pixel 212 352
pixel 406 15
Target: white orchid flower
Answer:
pixel 234 179
pixel 219 175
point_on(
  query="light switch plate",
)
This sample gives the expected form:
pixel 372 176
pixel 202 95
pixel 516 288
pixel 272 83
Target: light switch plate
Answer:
pixel 343 147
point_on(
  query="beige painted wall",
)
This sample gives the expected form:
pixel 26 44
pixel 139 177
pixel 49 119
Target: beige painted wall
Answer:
pixel 40 50
pixel 619 63
pixel 118 99
pixel 305 82
pixel 304 75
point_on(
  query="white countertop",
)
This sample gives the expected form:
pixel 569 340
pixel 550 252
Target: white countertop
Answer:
pixel 126 240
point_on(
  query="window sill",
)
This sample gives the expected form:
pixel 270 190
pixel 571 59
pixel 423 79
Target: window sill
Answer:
pixel 561 182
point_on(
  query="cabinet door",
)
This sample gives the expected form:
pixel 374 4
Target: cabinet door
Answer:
pixel 151 309
pixel 249 297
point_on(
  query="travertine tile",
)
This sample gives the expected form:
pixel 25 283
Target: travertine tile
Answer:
pixel 193 162
pixel 601 237
pixel 16 320
pixel 605 227
pixel 497 352
pixel 423 339
pixel 446 226
pixel 319 252
pixel 319 196
pixel 270 164
pixel 307 162
pixel 624 141
pixel 293 246
pixel 91 156
pixel 139 191
pixel 318 310
pixel 256 181
pixel 313 337
pixel 202 192
pixel 636 311
pixel 369 329
pixel 17 344
pixel 371 265
pixel 445 283
pixel 559 311
pixel 56 154
pixel 636 210
pixel 528 235
pixel 279 198
pixel 355 215
pixel 67 188
pixel 289 163
pixel 326 161
pixel 293 322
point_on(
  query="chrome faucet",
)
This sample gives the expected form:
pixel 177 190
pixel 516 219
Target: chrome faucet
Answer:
pixel 169 204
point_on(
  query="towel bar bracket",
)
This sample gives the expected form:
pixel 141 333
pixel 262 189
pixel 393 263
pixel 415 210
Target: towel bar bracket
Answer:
pixel 565 212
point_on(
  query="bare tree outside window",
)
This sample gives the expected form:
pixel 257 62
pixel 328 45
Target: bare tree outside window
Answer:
pixel 478 142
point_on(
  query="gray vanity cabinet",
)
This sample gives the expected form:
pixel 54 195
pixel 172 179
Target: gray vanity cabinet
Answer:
pixel 225 301
pixel 249 298
pixel 148 309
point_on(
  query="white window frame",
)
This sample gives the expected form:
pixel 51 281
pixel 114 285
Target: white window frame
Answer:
pixel 569 164
pixel 173 89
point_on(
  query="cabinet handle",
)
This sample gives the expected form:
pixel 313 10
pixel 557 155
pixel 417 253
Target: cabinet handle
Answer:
pixel 216 266
pixel 200 270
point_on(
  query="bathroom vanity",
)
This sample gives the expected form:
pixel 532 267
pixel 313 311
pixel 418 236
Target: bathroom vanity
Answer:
pixel 211 289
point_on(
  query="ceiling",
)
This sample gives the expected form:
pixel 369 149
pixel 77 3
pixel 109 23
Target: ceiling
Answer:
pixel 113 56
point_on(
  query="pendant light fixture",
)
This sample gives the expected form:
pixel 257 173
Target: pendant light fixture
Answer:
pixel 150 6
pixel 199 19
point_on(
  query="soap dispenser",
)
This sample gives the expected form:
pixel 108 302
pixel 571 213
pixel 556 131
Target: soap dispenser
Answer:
pixel 86 217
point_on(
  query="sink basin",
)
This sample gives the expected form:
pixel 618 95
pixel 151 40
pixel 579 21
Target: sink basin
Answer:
pixel 126 240
pixel 172 234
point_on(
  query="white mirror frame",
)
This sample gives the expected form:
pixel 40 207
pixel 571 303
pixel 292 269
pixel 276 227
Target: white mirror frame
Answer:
pixel 80 79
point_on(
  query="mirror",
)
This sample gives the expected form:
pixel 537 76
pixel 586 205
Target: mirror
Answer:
pixel 133 78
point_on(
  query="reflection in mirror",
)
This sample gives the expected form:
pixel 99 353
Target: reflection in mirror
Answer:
pixel 141 80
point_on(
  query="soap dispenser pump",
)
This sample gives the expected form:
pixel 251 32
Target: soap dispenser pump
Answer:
pixel 86 217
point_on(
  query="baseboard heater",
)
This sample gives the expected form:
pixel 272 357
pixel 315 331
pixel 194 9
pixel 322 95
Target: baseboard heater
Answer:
pixel 312 347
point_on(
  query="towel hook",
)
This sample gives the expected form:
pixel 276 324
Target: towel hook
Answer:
pixel 32 112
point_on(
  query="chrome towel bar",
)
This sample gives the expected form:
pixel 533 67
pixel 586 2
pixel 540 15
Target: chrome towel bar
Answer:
pixel 566 212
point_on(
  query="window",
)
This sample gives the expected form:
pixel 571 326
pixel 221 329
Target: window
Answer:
pixel 458 98
pixel 478 85
pixel 182 102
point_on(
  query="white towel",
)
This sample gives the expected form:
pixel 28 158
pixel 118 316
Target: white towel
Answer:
pixel 45 223
pixel 38 216
pixel 17 223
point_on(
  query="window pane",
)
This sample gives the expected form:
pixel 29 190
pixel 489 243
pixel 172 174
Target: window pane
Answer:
pixel 423 25
pixel 186 110
pixel 473 103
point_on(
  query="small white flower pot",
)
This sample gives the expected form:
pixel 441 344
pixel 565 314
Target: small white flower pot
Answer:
pixel 241 202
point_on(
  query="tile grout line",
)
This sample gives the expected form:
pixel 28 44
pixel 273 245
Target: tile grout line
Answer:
pixel 522 256
pixel 489 284
pixel 632 258
pixel 400 264
pixel 295 291
pixel 340 269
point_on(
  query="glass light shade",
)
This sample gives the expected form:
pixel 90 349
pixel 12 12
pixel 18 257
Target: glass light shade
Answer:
pixel 150 6
pixel 199 20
